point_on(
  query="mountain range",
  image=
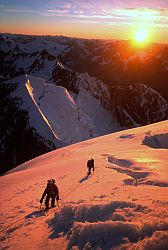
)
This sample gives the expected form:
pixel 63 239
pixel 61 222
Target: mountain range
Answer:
pixel 57 91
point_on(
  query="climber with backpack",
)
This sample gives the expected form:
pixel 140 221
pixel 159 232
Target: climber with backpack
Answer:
pixel 51 191
pixel 90 165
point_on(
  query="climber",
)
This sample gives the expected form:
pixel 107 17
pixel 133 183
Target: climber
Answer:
pixel 90 165
pixel 52 192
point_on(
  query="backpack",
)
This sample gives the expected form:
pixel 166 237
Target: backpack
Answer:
pixel 50 187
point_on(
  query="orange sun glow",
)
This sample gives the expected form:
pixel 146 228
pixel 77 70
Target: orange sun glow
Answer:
pixel 141 35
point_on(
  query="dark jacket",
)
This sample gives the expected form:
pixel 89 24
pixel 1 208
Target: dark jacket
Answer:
pixel 90 164
pixel 51 190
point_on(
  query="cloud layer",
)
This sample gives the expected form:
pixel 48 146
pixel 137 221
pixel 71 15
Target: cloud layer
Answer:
pixel 125 13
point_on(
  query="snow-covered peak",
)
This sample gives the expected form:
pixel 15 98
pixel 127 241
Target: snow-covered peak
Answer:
pixel 58 109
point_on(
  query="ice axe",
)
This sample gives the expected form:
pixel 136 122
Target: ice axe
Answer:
pixel 58 204
pixel 41 202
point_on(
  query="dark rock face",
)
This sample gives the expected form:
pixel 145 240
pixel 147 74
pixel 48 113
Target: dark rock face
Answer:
pixel 138 104
pixel 65 78
pixel 132 105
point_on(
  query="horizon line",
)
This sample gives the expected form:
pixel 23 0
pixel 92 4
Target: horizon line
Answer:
pixel 74 37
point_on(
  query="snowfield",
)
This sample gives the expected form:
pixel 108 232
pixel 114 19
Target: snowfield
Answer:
pixel 123 205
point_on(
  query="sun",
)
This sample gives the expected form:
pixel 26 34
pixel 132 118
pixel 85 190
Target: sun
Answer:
pixel 141 35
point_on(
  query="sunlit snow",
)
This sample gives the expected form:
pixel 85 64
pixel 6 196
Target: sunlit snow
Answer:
pixel 123 205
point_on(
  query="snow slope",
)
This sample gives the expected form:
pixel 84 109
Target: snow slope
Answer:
pixel 123 205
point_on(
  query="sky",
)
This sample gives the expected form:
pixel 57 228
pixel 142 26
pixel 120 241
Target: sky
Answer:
pixel 107 19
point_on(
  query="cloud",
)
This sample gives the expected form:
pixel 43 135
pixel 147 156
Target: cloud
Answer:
pixel 86 11
pixel 20 10
pixel 154 17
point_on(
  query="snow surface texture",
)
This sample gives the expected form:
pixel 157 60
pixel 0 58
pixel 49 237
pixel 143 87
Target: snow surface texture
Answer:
pixel 123 205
